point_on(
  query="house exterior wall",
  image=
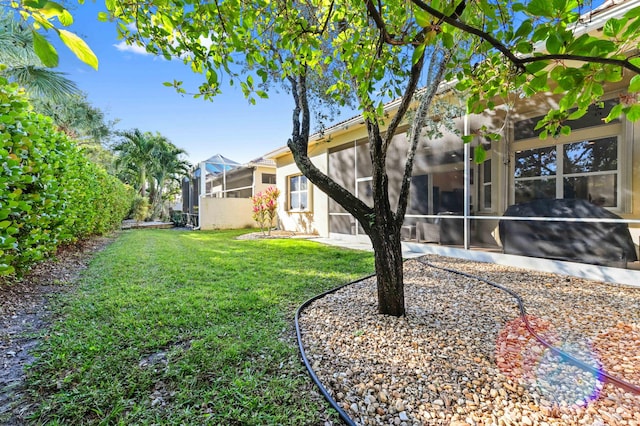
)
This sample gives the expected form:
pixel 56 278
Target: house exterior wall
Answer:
pixel 258 175
pixel 598 162
pixel 225 213
pixel 438 186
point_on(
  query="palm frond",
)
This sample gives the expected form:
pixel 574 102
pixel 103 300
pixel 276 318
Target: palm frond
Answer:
pixel 42 82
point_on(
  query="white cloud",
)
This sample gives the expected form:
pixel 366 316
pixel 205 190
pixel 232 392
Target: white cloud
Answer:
pixel 124 47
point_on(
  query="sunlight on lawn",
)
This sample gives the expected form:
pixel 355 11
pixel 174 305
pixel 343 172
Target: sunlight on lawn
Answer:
pixel 187 328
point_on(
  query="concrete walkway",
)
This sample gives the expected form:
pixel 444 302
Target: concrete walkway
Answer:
pixel 407 251
pixel 617 276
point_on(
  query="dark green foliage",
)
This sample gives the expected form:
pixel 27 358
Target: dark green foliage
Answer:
pixel 50 193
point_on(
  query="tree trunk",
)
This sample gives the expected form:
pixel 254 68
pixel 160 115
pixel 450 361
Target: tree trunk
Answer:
pixel 387 250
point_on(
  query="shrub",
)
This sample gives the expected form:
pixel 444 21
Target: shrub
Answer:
pixel 140 208
pixel 265 207
pixel 49 192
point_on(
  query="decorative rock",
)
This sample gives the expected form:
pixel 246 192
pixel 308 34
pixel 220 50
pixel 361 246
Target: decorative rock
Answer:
pixel 441 364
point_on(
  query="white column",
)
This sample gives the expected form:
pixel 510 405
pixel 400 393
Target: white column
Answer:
pixel 203 190
pixel 467 153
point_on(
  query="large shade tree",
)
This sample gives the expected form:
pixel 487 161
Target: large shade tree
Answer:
pixel 375 50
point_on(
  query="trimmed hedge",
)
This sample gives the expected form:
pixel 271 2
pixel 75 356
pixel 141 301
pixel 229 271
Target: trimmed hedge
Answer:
pixel 50 194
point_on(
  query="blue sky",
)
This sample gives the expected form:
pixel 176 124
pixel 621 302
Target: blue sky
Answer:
pixel 128 86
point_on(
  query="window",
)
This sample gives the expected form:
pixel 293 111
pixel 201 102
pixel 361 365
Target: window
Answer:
pixel 485 169
pixel 298 193
pixel 587 170
pixel 269 178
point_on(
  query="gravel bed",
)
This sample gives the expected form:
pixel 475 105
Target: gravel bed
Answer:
pixel 462 356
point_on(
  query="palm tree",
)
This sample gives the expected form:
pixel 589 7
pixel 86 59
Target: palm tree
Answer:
pixel 77 118
pixel 147 160
pixel 135 158
pixel 25 68
pixel 169 165
pixel 82 122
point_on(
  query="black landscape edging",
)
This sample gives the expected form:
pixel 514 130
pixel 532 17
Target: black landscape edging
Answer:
pixel 343 415
pixel 564 355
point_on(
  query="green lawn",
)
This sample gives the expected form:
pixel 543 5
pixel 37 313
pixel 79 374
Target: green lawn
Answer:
pixel 171 327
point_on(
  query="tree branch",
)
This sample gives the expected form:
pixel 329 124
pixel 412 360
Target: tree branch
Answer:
pixel 407 98
pixel 515 60
pixel 624 63
pixel 469 29
pixel 414 134
pixel 299 146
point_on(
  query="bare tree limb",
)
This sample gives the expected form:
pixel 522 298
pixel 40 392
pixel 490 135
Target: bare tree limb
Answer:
pixel 299 146
pixel 407 98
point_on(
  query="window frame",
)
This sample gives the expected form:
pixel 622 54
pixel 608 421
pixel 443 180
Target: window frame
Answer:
pixel 271 178
pixel 484 184
pixel 298 192
pixel 616 130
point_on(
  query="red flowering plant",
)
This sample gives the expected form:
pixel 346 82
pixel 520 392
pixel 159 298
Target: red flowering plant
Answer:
pixel 265 208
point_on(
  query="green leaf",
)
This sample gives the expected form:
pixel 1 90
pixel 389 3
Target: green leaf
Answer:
pixel 613 26
pixel 447 40
pixel 614 113
pixel 417 53
pixel 554 43
pixel 540 8
pixel 634 84
pixel 633 113
pixel 467 138
pixel 45 50
pixel 534 67
pixel 565 130
pixel 103 16
pixel 422 17
pixel 79 48
pixel 51 9
pixel 633 13
pixel 524 29
pixel 524 47
pixel 577 113
pixel 479 154
pixel 539 82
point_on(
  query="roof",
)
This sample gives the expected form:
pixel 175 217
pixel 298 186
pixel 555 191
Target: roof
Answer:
pixel 217 164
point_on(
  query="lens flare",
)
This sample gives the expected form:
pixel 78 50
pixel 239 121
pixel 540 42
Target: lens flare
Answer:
pixel 522 358
pixel 561 381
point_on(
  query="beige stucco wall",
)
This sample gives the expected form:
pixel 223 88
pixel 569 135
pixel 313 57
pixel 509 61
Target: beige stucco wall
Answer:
pixel 225 213
pixel 257 178
pixel 316 220
pixel 310 222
